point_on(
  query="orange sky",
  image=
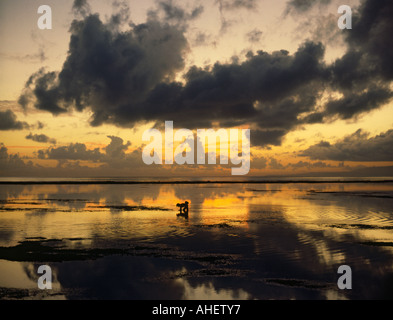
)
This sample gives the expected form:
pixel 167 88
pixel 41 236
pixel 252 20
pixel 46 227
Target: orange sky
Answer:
pixel 214 36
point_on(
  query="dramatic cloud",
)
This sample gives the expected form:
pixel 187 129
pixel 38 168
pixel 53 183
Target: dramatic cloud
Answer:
pixel 371 32
pixel 107 71
pixel 364 74
pixel 127 77
pixel 356 147
pixel 353 104
pixel 128 88
pixel 8 121
pixel 40 138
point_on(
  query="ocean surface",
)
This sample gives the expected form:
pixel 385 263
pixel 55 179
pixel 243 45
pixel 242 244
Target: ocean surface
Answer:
pixel 256 239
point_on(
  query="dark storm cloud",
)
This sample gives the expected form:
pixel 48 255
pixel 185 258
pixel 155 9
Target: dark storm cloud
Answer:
pixel 364 73
pixel 44 94
pixel 370 50
pixel 42 138
pixel 372 29
pixel 353 104
pixel 267 90
pixel 267 137
pixel 8 121
pixel 356 147
pixel 109 71
pixel 370 42
pixel 126 78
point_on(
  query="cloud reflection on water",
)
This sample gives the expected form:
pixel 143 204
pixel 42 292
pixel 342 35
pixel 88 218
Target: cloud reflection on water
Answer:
pixel 281 240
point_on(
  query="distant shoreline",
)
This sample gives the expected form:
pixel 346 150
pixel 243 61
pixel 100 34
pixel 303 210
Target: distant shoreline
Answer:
pixel 92 182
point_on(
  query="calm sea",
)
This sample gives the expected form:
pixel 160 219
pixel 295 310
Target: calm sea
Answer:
pixel 258 239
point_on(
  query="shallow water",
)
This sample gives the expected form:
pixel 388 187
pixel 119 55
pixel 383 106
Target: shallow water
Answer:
pixel 240 241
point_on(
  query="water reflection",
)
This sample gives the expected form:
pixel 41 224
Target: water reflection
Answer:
pixel 207 291
pixel 21 279
pixel 240 241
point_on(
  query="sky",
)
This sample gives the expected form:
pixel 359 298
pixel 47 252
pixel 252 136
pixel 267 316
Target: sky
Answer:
pixel 75 100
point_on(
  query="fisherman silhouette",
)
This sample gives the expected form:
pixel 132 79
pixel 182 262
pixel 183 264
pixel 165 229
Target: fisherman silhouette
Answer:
pixel 183 209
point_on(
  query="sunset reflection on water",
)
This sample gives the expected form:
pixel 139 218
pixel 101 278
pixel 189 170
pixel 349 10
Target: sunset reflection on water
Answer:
pixel 240 241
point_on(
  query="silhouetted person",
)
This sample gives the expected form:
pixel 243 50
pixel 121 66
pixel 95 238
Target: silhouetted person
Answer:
pixel 183 209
